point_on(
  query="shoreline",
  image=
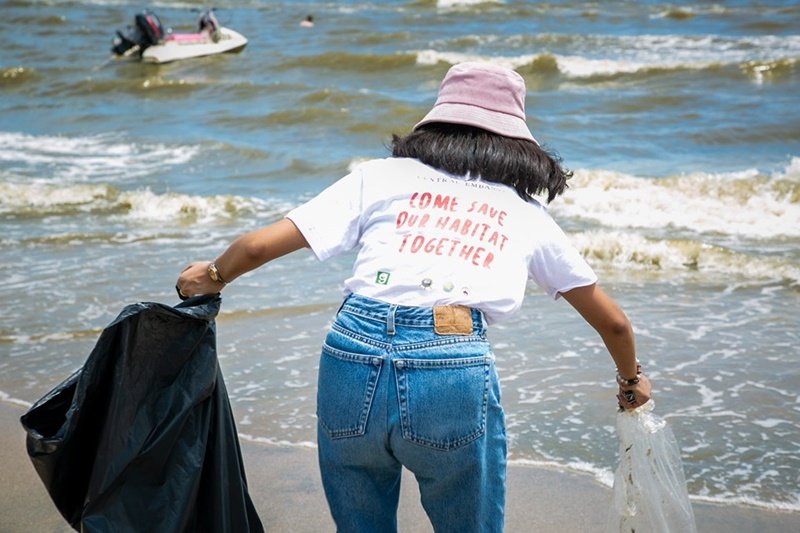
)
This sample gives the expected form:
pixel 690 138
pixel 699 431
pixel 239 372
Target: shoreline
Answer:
pixel 285 488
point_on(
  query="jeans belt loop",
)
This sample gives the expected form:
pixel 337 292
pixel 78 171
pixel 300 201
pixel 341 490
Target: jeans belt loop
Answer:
pixel 390 329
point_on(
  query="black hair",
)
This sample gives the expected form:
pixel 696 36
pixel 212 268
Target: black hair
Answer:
pixel 468 151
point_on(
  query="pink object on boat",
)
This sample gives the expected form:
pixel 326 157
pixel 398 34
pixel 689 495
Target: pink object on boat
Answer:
pixel 187 38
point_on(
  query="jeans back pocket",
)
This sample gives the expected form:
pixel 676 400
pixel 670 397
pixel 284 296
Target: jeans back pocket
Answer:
pixel 345 390
pixel 443 401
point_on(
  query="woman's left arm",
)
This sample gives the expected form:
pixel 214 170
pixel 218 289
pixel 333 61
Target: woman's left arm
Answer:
pixel 606 317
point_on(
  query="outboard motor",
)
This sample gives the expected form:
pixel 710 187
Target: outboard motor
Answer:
pixel 146 31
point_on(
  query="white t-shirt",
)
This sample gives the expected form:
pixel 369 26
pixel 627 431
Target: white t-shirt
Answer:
pixel 428 238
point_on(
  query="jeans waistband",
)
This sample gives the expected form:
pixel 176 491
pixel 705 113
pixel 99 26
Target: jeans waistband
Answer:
pixel 400 315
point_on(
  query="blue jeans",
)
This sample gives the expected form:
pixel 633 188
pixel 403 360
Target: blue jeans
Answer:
pixel 393 392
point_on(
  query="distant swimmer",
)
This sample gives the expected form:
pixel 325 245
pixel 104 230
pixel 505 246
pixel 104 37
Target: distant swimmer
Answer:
pixel 307 22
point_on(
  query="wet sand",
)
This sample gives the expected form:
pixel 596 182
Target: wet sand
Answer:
pixel 287 493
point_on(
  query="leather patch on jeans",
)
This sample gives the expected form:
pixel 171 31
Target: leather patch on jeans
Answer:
pixel 452 320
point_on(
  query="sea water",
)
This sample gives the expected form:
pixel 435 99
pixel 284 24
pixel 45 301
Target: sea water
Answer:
pixel 681 121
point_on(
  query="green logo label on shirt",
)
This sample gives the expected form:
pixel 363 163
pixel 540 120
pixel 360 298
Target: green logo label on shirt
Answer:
pixel 382 278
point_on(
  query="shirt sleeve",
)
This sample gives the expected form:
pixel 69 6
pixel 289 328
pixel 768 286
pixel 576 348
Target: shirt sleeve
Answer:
pixel 331 221
pixel 556 265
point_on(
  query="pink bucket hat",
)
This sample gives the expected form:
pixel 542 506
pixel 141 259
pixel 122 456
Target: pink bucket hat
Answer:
pixel 482 95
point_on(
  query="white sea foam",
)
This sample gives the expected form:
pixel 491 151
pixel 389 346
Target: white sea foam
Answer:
pixel 743 203
pixel 771 422
pixel 584 67
pixel 93 158
pixel 733 499
pixel 43 197
pixel 143 205
pixel 455 4
pixel 570 66
pixel 278 442
pixel 7 398
pixel 433 57
pixel 603 475
pixel 631 251
pixel 791 172
pixel 640 53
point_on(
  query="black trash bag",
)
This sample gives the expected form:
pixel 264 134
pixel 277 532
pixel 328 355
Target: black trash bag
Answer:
pixel 142 438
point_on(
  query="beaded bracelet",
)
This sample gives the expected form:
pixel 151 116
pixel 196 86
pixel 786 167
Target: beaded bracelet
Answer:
pixel 629 382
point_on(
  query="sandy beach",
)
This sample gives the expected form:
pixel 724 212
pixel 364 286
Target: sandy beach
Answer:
pixel 680 121
pixel 285 487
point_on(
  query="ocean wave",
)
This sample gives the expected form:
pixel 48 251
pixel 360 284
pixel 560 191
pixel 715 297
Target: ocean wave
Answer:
pixel 153 85
pixel 689 12
pixel 352 62
pixel 43 199
pixel 157 82
pixel 277 442
pixel 7 398
pixel 747 204
pixel 576 56
pixel 734 499
pixel 94 158
pixel 575 67
pixel 434 57
pixel 281 311
pixel 461 4
pixel 43 338
pixel 771 70
pixel 81 238
pixel 13 77
pixel 380 116
pixel 605 477
pixel 630 251
pixel 785 131
pixel 40 199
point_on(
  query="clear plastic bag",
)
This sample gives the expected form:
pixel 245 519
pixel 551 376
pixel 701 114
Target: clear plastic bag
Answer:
pixel 649 485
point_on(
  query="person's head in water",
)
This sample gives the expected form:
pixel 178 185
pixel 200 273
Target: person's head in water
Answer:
pixel 477 127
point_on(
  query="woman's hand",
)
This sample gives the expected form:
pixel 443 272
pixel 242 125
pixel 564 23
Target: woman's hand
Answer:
pixel 636 395
pixel 194 280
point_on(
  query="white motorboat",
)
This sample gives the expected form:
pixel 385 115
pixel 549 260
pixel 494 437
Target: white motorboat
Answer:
pixel 149 41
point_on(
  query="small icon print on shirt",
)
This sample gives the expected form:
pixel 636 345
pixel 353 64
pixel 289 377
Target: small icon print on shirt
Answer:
pixel 426 283
pixel 382 278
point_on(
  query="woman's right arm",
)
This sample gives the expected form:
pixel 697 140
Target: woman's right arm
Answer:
pixel 610 322
pixel 246 253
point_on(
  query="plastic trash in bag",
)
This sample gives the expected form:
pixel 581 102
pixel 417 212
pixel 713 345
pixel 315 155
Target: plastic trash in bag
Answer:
pixel 649 493
pixel 142 437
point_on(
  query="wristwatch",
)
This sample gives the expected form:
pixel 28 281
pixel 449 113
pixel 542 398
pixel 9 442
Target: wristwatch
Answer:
pixel 213 273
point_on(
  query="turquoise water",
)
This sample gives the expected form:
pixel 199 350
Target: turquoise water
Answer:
pixel 680 120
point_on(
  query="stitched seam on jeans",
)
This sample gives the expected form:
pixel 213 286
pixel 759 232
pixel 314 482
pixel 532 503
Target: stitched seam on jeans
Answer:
pixel 361 338
pixel 403 393
pixel 438 342
pixel 369 393
pixel 363 314
pixel 448 445
pixel 399 320
pixel 366 359
pixel 446 363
